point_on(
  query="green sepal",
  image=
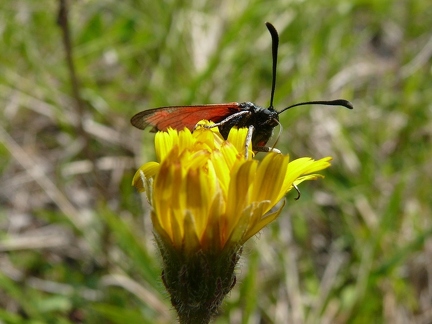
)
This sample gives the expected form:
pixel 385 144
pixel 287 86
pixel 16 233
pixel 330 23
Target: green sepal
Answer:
pixel 198 282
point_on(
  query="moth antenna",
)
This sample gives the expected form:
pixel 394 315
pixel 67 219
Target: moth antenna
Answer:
pixel 275 46
pixel 337 102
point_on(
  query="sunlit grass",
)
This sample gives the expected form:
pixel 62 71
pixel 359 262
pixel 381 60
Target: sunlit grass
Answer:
pixel 77 238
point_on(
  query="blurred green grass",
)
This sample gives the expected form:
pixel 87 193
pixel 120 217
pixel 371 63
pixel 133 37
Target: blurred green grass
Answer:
pixel 76 242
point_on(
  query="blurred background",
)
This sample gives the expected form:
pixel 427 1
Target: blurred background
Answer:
pixel 76 242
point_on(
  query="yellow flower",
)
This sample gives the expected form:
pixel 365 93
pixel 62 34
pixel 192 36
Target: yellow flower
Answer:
pixel 207 196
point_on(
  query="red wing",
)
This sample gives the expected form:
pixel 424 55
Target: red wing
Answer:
pixel 179 117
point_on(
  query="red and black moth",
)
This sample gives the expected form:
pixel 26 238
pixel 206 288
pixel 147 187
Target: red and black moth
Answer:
pixel 260 121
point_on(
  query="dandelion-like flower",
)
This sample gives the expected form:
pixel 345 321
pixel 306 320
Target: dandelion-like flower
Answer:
pixel 208 198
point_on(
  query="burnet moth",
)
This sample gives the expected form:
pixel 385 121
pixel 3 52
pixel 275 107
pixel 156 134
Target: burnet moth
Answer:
pixel 260 121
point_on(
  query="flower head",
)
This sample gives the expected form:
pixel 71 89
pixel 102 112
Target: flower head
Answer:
pixel 206 195
pixel 208 198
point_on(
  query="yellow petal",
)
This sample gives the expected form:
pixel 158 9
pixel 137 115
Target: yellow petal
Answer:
pixel 238 191
pixel 268 218
pixel 270 177
pixel 191 240
pixel 149 170
pixel 237 137
pixel 207 196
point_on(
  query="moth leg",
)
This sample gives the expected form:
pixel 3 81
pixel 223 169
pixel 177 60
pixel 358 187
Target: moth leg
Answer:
pixel 248 140
pixel 225 120
pixel 265 149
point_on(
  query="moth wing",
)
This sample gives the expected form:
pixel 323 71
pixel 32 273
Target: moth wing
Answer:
pixel 178 117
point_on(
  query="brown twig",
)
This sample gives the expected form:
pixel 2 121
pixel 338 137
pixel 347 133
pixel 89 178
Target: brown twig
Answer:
pixel 63 22
pixel 80 107
pixel 103 191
